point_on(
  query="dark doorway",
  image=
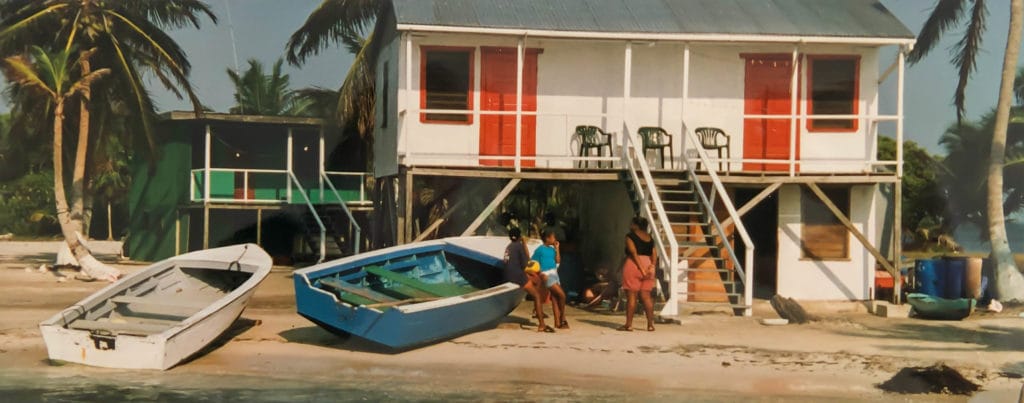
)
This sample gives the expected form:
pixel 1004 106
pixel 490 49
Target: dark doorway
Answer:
pixel 306 158
pixel 762 223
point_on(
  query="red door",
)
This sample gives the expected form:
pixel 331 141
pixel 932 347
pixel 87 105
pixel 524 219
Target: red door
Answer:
pixel 767 92
pixel 498 93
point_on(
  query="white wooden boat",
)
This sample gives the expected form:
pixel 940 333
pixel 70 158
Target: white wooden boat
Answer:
pixel 161 315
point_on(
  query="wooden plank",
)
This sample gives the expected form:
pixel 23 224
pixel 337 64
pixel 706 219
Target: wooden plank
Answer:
pixel 342 286
pixel 753 202
pixel 831 179
pixel 853 230
pixel 437 223
pixel 402 302
pixel 142 329
pixel 157 300
pixel 897 233
pixel 490 207
pixel 438 290
pixel 529 174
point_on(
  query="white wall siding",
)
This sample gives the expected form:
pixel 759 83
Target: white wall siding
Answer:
pixel 385 140
pixel 849 279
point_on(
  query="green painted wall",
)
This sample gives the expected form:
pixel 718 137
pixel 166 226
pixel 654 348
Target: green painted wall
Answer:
pixel 158 189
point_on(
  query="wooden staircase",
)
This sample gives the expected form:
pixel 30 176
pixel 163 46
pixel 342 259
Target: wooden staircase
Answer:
pixel 707 277
pixel 336 229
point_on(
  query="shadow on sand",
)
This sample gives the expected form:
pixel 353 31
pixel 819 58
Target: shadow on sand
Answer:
pixel 320 337
pixel 990 337
pixel 241 325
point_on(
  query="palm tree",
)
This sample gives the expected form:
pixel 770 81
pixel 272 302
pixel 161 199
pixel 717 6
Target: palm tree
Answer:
pixel 49 75
pixel 258 93
pixel 345 22
pixel 125 37
pixel 946 15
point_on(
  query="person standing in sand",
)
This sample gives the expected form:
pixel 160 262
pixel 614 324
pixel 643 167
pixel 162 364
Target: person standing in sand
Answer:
pixel 638 272
pixel 549 256
pixel 516 265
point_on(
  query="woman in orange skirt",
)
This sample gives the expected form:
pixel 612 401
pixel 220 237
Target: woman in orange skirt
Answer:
pixel 638 272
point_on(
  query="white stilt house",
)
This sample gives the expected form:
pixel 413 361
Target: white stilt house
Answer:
pixel 774 108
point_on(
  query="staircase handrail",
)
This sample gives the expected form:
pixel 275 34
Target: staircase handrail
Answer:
pixel 745 270
pixel 633 162
pixel 319 222
pixel 348 213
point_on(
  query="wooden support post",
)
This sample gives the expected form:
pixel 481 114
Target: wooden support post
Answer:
pixel 437 223
pixel 853 230
pixel 897 235
pixel 490 207
pixel 177 232
pixel 259 226
pixel 405 230
pixel 206 226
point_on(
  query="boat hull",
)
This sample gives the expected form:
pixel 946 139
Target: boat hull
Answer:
pixel 408 326
pixel 162 350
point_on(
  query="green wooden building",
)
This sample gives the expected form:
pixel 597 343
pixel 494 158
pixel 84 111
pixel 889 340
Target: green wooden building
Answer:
pixel 217 179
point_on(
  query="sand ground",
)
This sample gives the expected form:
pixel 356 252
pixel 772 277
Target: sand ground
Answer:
pixel 716 357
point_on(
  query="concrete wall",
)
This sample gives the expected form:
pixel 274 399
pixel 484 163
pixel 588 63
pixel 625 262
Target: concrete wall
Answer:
pixel 848 279
pixel 581 82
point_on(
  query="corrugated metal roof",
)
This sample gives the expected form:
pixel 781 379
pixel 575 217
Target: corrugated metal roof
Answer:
pixel 837 18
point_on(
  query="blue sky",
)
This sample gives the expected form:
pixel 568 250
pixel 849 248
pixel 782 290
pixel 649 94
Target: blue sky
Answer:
pixel 262 28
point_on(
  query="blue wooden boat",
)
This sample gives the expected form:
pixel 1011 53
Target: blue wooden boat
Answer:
pixel 410 295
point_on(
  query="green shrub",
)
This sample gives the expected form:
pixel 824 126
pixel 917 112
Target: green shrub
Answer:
pixel 26 206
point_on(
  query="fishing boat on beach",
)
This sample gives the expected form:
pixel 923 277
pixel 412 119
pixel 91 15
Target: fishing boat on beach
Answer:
pixel 410 295
pixel 162 315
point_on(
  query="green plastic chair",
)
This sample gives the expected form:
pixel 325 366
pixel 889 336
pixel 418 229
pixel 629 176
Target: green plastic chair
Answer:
pixel 591 138
pixel 713 138
pixel 656 138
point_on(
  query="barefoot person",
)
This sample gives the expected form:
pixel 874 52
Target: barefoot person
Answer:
pixel 638 272
pixel 516 271
pixel 549 256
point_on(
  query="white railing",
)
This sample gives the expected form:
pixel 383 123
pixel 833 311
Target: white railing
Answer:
pixel 362 184
pixel 316 216
pixel 565 158
pixel 661 228
pixel 746 270
pixel 355 235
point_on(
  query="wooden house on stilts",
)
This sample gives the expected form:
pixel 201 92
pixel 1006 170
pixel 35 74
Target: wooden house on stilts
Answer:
pixel 746 131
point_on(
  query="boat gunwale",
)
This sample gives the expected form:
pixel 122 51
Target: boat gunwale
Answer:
pixel 259 273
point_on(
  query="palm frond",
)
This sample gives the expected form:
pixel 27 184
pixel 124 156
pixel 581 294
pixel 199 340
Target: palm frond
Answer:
pixel 83 85
pixel 945 15
pixel 329 23
pixel 966 56
pixel 19 70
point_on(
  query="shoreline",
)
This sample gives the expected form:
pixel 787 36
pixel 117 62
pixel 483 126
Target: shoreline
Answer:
pixel 710 358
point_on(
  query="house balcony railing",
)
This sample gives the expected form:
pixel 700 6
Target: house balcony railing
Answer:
pixel 566 154
pixel 273 186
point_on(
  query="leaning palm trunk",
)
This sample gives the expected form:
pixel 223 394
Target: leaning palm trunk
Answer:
pixel 78 180
pixel 68 227
pixel 1009 281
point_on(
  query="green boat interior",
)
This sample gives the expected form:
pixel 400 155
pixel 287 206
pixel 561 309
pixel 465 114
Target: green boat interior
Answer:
pixel 410 278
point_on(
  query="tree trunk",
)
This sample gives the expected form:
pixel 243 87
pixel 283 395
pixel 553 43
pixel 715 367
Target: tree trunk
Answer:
pixel 89 265
pixel 1009 282
pixel 81 152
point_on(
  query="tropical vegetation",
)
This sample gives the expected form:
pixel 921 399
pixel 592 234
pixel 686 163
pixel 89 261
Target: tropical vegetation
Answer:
pixel 259 93
pixel 945 16
pixel 124 39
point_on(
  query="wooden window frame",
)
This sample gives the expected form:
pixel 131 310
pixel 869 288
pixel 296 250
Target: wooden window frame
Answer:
pixel 811 127
pixel 806 195
pixel 471 85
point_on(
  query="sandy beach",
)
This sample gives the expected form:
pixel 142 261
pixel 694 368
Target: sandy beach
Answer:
pixel 274 354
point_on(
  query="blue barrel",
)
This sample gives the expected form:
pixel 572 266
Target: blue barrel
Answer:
pixel 930 276
pixel 956 269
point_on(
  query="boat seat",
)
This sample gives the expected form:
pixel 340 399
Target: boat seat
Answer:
pixel 437 290
pixel 143 329
pixel 179 307
pixel 355 295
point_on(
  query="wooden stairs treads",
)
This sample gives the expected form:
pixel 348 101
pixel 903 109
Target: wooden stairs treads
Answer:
pixel 141 329
pixel 354 294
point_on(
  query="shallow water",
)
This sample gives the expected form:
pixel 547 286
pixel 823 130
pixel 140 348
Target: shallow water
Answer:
pixel 57 386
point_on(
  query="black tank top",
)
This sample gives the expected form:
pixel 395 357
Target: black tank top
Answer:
pixel 643 248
